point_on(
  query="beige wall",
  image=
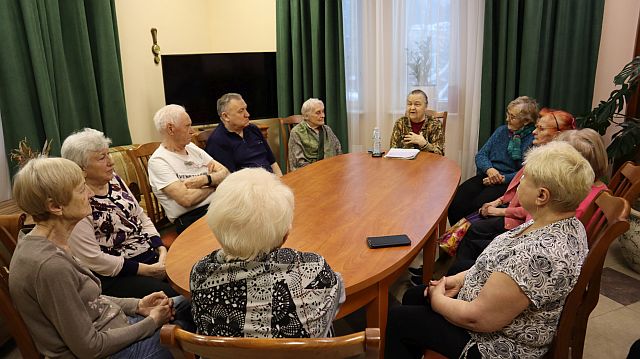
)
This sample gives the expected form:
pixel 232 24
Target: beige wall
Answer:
pixel 186 26
pixel 616 45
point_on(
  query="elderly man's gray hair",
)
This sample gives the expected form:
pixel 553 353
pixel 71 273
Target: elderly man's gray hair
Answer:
pixel 223 101
pixel 309 105
pixel 167 114
pixel 80 144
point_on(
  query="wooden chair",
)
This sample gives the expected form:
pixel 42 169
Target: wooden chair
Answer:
pixel 609 220
pixel 13 319
pixel 625 182
pixel 200 138
pixel 286 124
pixel 139 156
pixel 184 344
pixel 10 225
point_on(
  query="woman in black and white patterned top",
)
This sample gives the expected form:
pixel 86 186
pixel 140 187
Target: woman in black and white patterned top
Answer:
pixel 508 304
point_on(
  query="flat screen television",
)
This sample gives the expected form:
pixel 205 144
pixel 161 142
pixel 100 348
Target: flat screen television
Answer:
pixel 196 81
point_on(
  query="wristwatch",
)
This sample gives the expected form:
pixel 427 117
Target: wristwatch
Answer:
pixel 209 180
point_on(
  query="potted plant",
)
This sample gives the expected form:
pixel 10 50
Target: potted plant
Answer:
pixel 624 144
pixel 419 62
pixel 625 140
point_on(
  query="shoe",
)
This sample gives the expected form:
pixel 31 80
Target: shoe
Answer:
pixel 416 280
pixel 416 271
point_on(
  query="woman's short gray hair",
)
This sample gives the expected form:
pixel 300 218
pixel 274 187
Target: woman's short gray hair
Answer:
pixel 309 105
pixel 43 179
pixel 77 146
pixel 250 213
pixel 526 107
pixel 223 101
pixel 561 169
pixel 167 114
pixel 589 143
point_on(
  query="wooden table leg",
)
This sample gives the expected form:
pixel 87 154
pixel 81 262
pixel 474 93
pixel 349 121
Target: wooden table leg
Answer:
pixel 429 257
pixel 377 312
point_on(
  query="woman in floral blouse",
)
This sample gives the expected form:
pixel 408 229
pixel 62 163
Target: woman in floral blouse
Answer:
pixel 509 303
pixel 117 241
pixel 416 129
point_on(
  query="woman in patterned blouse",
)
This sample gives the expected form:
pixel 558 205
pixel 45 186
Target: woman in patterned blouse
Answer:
pixel 509 303
pixel 117 241
pixel 416 129
pixel 252 287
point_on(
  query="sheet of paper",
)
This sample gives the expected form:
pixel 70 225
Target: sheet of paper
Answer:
pixel 402 153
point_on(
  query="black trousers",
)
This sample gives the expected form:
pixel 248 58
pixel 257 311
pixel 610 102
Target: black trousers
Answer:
pixel 186 219
pixel 134 286
pixel 477 238
pixel 414 327
pixel 471 195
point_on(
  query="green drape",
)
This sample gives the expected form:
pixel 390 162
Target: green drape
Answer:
pixel 310 60
pixel 60 71
pixel 545 49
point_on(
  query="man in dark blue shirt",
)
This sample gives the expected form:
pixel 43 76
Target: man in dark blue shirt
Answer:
pixel 236 143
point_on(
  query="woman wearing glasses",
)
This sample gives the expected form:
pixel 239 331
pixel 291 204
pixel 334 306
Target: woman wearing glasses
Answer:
pixel 498 160
pixel 506 212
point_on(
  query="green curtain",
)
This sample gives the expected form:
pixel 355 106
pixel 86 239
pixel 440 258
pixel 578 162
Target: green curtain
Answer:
pixel 310 60
pixel 545 49
pixel 60 71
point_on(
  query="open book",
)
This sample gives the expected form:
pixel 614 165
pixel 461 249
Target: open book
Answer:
pixel 402 153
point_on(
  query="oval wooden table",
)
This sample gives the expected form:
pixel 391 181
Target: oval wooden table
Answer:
pixel 339 202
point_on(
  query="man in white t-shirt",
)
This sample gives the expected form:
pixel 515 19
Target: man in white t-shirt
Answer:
pixel 182 175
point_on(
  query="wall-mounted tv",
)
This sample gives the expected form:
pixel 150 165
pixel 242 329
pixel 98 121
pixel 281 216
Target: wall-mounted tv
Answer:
pixel 196 81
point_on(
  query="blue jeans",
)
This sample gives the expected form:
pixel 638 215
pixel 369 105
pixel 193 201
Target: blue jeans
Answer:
pixel 150 347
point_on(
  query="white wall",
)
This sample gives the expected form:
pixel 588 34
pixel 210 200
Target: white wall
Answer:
pixel 185 26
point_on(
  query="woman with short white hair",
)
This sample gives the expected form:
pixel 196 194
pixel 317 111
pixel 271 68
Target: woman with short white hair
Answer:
pixel 312 140
pixel 509 302
pixel 252 287
pixel 117 241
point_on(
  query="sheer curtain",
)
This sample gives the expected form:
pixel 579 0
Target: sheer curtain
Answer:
pixel 385 43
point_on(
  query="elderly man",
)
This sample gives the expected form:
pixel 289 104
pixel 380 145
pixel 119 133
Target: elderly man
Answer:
pixel 239 144
pixel 182 176
pixel 312 140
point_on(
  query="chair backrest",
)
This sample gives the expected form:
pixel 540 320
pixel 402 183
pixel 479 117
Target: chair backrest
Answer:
pixel 10 225
pixel 180 341
pixel 625 182
pixel 139 156
pixel 286 124
pixel 609 220
pixel 442 116
pixel 200 138
pixel 13 319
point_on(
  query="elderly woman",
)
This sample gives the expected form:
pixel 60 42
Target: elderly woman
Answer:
pixel 60 300
pixel 509 303
pixel 498 160
pixel 252 287
pixel 312 140
pixel 506 212
pixel 117 241
pixel 181 174
pixel 416 129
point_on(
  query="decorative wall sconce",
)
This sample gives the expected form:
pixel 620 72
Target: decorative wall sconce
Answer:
pixel 155 49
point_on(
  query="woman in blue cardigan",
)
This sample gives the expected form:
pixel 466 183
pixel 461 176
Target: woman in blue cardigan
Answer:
pixel 498 160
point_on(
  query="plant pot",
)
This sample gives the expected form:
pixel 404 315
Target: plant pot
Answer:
pixel 630 241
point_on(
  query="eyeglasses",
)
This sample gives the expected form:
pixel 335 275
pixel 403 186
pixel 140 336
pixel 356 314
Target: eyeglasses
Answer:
pixel 511 117
pixel 540 128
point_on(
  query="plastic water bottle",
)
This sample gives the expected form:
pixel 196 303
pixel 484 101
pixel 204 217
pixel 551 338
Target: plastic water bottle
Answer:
pixel 376 142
